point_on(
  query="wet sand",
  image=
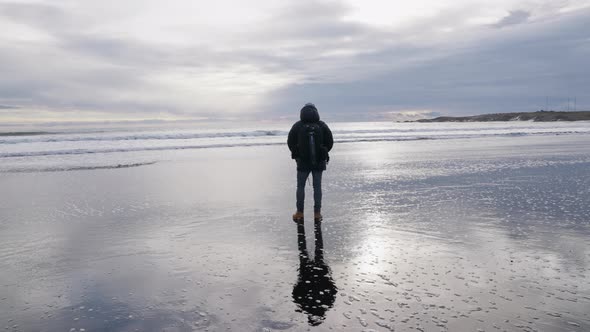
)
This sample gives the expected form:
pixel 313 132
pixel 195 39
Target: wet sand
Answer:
pixel 457 235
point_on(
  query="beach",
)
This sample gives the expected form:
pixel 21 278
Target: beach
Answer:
pixel 425 228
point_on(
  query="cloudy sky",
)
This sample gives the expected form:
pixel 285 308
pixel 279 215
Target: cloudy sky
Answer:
pixel 232 59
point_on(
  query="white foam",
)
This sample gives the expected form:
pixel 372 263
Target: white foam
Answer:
pixel 126 147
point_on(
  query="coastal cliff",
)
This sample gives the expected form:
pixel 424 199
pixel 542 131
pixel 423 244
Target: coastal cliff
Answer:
pixel 540 116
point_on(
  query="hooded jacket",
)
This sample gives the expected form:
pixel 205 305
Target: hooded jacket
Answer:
pixel 309 114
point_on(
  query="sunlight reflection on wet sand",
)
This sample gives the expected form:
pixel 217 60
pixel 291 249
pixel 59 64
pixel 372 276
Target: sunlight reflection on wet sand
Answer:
pixel 463 235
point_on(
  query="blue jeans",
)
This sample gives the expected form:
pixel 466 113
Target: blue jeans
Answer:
pixel 317 189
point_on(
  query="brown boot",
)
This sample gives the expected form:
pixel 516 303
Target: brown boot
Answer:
pixel 317 216
pixel 298 216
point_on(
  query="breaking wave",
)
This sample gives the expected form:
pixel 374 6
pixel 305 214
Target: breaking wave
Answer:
pixel 34 137
pixel 379 137
pixel 75 168
pixel 25 133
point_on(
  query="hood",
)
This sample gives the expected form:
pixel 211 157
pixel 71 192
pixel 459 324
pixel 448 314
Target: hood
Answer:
pixel 309 114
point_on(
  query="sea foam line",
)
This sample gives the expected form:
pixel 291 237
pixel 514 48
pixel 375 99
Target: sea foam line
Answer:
pixel 40 138
pixel 229 145
pixel 75 168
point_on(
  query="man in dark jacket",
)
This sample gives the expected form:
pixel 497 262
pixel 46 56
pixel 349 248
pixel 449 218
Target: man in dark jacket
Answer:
pixel 310 140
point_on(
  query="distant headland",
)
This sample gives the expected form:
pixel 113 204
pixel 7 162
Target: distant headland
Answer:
pixel 539 116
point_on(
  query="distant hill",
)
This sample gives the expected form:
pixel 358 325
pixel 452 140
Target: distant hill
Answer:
pixel 540 116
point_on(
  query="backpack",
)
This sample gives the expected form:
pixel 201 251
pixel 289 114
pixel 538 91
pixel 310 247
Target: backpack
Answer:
pixel 310 142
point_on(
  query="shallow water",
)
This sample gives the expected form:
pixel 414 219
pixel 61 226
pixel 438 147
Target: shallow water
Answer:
pixel 48 148
pixel 460 234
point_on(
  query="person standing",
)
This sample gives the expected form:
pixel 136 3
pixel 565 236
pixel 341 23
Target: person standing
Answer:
pixel 310 140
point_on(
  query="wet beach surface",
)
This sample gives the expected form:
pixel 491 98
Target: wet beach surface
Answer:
pixel 489 234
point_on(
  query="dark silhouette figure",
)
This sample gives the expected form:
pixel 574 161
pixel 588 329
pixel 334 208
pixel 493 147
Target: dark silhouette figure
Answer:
pixel 310 141
pixel 315 291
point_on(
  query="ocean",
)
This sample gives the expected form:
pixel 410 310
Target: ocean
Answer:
pixel 67 148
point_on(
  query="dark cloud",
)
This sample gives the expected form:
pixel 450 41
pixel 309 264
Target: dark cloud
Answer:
pixel 114 50
pixel 505 72
pixel 312 21
pixel 50 17
pixel 515 17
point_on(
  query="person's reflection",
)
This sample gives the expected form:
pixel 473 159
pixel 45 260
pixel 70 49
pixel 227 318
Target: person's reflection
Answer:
pixel 315 291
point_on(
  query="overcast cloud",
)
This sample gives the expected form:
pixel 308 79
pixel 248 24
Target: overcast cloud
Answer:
pixel 370 59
